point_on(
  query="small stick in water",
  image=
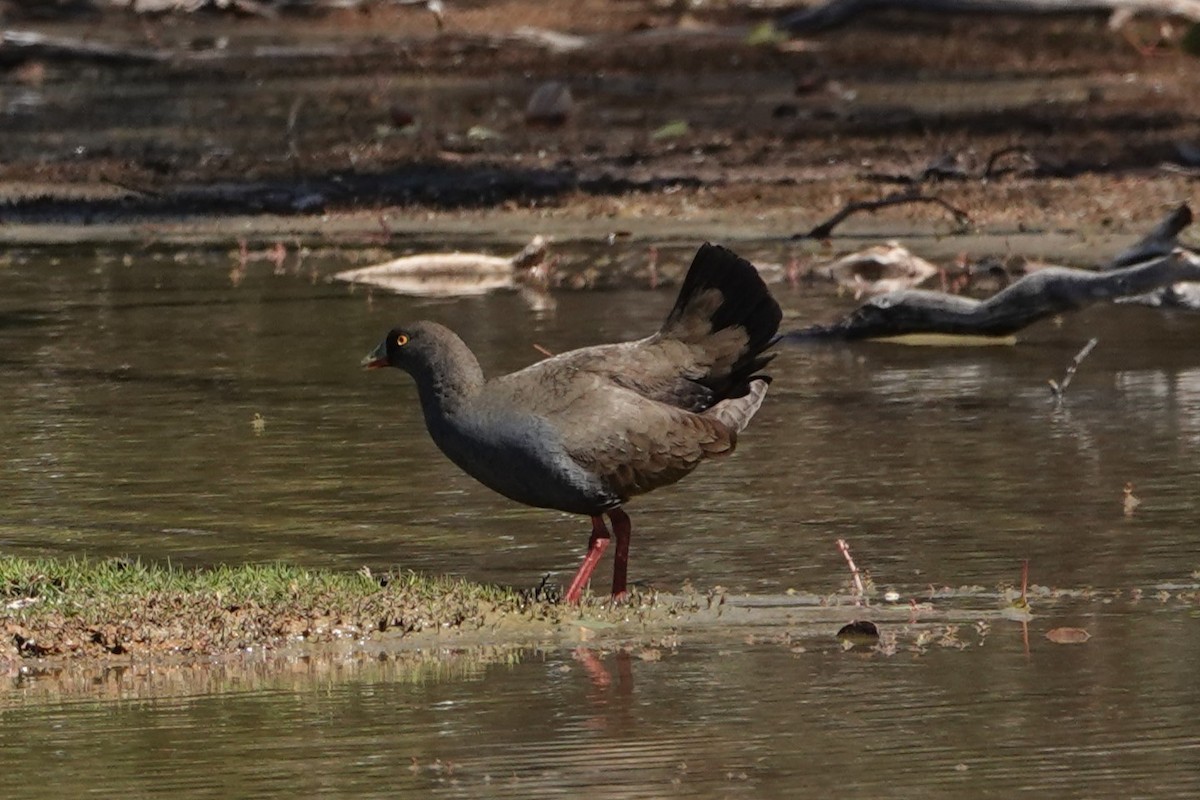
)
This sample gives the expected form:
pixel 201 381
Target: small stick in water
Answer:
pixel 854 573
pixel 1057 390
pixel 1025 579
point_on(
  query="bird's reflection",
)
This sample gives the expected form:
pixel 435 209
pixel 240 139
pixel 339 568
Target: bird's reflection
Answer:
pixel 609 699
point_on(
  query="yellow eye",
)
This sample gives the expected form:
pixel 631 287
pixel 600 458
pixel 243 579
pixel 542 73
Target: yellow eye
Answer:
pixel 401 339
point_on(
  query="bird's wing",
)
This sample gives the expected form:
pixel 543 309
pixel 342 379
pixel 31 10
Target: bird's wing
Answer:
pixel 631 442
pixel 665 370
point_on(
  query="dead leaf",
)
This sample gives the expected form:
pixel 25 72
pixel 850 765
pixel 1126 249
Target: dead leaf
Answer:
pixel 1068 635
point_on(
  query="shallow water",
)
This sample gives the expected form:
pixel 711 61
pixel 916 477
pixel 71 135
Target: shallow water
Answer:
pixel 703 720
pixel 131 381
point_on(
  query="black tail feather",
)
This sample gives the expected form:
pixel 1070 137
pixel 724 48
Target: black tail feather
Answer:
pixel 745 302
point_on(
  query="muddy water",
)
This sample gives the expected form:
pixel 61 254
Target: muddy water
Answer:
pixel 131 382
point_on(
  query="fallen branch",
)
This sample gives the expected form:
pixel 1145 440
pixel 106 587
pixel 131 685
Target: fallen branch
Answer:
pixel 1158 242
pixel 29 44
pixel 942 168
pixel 1050 291
pixel 1057 390
pixel 825 229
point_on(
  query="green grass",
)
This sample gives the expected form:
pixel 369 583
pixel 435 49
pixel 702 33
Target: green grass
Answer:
pixel 73 607
pixel 78 579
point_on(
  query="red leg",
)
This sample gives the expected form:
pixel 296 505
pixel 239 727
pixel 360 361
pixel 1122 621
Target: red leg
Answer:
pixel 622 527
pixel 596 546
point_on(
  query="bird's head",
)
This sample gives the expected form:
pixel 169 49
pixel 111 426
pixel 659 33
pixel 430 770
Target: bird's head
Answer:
pixel 423 350
pixel 396 350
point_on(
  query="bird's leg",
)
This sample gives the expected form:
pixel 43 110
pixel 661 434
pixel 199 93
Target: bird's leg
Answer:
pixel 622 528
pixel 596 546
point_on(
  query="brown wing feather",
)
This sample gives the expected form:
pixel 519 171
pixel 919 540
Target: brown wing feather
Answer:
pixel 634 444
pixel 665 370
pixel 631 442
pixel 651 463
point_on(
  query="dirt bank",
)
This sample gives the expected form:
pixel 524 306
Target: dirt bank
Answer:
pixel 332 122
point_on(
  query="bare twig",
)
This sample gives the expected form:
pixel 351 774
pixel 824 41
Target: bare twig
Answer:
pixel 861 598
pixel 825 229
pixel 543 350
pixel 1024 582
pixel 129 187
pixel 989 171
pixel 1057 390
pixel 944 167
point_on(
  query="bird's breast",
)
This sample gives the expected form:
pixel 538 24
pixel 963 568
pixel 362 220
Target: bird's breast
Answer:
pixel 520 456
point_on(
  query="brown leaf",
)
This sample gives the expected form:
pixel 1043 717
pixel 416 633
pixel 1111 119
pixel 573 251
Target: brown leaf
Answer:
pixel 1068 635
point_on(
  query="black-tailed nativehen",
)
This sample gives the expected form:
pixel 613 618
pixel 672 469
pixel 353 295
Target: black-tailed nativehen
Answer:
pixel 585 431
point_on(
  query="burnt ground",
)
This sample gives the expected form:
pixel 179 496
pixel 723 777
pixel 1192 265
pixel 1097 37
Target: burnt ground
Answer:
pixel 336 119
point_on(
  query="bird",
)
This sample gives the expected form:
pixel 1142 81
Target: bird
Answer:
pixel 587 430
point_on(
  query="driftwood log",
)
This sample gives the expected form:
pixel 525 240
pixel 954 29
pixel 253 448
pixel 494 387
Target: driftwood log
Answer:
pixel 1161 240
pixel 1050 291
pixel 1154 271
pixel 835 13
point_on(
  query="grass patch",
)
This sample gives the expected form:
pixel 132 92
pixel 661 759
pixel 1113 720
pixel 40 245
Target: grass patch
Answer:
pixel 79 607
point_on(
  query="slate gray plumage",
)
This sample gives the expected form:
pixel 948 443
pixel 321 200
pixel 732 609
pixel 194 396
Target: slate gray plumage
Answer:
pixel 585 431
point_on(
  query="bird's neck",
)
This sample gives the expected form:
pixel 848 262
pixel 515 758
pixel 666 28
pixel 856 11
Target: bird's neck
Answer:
pixel 450 379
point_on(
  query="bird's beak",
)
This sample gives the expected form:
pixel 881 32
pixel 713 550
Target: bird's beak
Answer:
pixel 377 358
